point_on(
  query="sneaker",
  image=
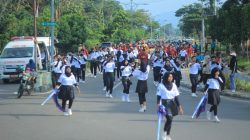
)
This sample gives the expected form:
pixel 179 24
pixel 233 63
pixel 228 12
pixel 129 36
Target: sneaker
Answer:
pixel 194 95
pixel 168 138
pixel 107 94
pixel 145 108
pixel 70 112
pixel 65 113
pixel 104 88
pixel 123 97
pixel 216 119
pixel 110 96
pixel 127 98
pixel 141 109
pixel 209 115
pixel 164 136
pixel 233 90
pixel 83 82
pixel 95 76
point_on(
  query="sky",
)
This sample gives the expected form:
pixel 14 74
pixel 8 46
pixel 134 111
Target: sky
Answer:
pixel 160 10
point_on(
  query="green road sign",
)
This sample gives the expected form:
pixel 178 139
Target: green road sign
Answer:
pixel 45 23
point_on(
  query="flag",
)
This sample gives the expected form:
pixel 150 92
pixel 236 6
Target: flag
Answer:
pixel 161 113
pixel 201 107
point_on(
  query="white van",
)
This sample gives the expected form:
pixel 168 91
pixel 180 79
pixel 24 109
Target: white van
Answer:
pixel 17 53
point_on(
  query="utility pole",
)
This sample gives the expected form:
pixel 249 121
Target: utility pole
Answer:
pixel 52 28
pixel 203 28
pixel 131 10
pixel 35 30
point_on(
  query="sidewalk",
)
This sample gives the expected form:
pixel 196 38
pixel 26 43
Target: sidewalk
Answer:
pixel 185 82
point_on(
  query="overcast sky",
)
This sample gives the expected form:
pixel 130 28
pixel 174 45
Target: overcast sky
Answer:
pixel 161 10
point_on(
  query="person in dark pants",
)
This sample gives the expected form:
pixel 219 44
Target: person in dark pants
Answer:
pixel 157 65
pixel 213 88
pixel 66 82
pixel 126 72
pixel 109 67
pixel 83 60
pixel 167 94
pixel 176 63
pixel 93 63
pixel 194 71
pixel 142 86
pixel 233 67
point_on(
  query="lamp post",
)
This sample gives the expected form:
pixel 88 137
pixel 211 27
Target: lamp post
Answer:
pixel 52 30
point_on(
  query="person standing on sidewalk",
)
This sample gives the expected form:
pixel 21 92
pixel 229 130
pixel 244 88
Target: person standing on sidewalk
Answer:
pixel 233 67
pixel 213 88
pixel 142 86
pixel 206 68
pixel 194 68
pixel 167 94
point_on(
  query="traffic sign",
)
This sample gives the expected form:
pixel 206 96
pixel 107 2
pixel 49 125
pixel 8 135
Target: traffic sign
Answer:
pixel 45 23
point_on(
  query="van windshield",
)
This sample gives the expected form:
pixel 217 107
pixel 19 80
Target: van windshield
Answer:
pixel 17 52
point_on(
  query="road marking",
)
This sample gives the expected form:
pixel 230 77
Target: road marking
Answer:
pixel 116 85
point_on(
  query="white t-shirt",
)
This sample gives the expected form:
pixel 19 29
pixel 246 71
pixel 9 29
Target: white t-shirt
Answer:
pixel 67 81
pixel 110 66
pixel 194 69
pixel 141 75
pixel 214 83
pixel 167 94
pixel 183 53
pixel 127 70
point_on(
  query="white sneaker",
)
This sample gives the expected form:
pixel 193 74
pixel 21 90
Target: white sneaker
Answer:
pixel 65 113
pixel 145 108
pixel 194 95
pixel 104 88
pixel 123 97
pixel 83 82
pixel 69 111
pixel 110 96
pixel 141 109
pixel 216 119
pixel 168 138
pixel 209 115
pixel 107 94
pixel 127 98
pixel 164 136
pixel 233 91
pixel 95 76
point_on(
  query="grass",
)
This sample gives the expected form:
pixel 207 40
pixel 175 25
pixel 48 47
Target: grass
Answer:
pixel 244 64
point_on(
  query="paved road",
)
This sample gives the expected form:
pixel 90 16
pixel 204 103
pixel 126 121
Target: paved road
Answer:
pixel 96 117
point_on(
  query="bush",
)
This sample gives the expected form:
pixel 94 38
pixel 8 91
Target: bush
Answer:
pixel 240 84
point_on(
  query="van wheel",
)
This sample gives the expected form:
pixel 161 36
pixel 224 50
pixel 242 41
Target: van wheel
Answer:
pixel 6 81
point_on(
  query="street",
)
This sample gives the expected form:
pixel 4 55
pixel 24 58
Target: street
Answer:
pixel 96 117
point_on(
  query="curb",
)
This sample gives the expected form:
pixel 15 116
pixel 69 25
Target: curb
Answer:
pixel 224 93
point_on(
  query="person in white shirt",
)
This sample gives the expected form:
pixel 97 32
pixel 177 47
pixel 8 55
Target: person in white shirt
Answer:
pixel 157 65
pixel 183 54
pixel 109 67
pixel 83 60
pixel 126 73
pixel 142 86
pixel 93 63
pixel 167 95
pixel 66 93
pixel 194 68
pixel 213 87
pixel 176 63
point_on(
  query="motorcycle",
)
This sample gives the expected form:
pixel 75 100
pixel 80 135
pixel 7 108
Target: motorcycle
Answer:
pixel 26 84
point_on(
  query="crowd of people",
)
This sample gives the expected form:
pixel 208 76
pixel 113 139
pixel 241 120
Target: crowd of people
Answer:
pixel 124 61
